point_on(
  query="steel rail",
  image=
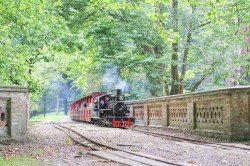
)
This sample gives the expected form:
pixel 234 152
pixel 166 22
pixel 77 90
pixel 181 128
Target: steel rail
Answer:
pixel 204 143
pixel 112 148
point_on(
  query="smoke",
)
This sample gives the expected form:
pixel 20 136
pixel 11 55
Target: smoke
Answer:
pixel 111 80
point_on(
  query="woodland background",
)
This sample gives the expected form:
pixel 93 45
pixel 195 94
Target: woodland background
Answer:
pixel 63 49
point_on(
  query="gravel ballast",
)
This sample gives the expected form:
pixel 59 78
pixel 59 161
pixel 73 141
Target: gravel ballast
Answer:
pixel 175 151
pixel 51 146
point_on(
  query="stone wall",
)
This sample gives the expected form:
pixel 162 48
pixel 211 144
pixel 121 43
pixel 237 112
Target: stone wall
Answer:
pixel 223 113
pixel 14 112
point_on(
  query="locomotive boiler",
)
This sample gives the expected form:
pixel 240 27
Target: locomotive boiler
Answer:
pixel 102 108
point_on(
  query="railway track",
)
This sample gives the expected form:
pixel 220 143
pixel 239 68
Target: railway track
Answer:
pixel 114 154
pixel 193 141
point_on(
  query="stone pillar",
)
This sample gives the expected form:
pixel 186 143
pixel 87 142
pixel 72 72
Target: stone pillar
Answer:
pixel 249 111
pixel 227 108
pixel 131 110
pixel 191 111
pixel 165 115
pixel 146 115
pixel 15 100
pixel 240 115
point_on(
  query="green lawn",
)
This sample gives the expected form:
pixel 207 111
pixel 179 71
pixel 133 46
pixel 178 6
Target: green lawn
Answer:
pixel 49 117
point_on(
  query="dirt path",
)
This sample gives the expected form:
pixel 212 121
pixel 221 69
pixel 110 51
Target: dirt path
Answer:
pixel 48 146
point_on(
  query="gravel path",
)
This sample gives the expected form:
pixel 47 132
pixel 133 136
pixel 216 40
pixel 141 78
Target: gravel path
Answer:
pixel 52 147
pixel 171 150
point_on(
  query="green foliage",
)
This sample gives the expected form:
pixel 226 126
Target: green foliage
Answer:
pixel 28 27
pixel 48 44
pixel 137 37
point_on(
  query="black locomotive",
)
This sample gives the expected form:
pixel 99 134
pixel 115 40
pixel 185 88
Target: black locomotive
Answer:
pixel 112 111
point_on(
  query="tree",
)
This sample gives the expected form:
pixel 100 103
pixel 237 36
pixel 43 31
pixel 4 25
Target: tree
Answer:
pixel 159 47
pixel 29 27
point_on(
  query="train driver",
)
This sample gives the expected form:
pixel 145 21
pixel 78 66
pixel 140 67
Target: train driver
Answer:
pixel 106 102
pixel 102 104
pixel 95 105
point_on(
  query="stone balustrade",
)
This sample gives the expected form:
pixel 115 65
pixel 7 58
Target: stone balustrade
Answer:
pixel 223 113
pixel 14 113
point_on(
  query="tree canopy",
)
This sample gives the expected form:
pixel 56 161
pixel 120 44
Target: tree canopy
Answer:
pixel 148 47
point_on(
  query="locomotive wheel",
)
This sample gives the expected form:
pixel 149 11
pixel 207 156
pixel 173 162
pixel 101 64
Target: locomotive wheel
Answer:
pixel 101 123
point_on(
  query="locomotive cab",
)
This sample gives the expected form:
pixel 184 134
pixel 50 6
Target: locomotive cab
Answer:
pixel 101 105
pixel 102 102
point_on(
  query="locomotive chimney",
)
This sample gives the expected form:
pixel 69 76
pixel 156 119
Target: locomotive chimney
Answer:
pixel 118 92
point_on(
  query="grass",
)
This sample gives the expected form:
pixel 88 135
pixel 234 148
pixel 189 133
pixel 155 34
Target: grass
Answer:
pixel 49 117
pixel 18 160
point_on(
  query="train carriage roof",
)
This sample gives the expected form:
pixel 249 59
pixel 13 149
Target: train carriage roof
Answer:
pixel 88 97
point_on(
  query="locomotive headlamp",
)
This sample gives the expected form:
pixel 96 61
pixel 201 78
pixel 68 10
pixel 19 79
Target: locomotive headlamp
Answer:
pixel 121 98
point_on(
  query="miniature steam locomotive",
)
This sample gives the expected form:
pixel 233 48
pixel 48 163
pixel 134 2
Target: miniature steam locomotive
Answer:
pixel 102 108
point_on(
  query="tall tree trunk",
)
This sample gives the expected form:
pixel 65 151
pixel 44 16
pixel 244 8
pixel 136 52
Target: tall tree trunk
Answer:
pixel 184 62
pixel 44 103
pixel 197 84
pixel 65 106
pixel 165 87
pixel 57 105
pixel 30 72
pixel 185 54
pixel 174 65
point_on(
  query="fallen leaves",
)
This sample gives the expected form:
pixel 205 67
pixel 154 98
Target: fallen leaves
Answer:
pixel 11 151
pixel 50 150
pixel 7 157
pixel 191 161
pixel 135 150
pixel 68 141
pixel 8 152
pixel 82 153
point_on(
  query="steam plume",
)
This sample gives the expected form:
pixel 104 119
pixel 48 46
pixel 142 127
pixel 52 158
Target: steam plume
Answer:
pixel 111 80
